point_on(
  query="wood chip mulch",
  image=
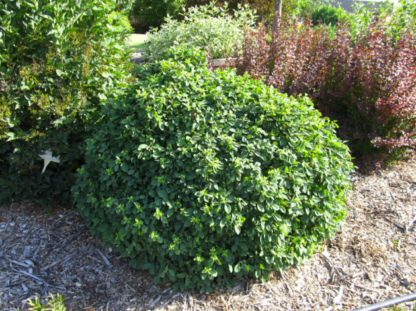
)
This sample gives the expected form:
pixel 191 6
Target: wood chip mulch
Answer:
pixel 371 260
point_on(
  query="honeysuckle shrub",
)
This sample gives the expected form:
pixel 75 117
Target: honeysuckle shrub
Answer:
pixel 202 177
pixel 58 60
pixel 206 26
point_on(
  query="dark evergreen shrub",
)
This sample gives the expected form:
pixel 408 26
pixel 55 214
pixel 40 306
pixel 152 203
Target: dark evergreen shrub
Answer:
pixel 201 177
pixel 58 60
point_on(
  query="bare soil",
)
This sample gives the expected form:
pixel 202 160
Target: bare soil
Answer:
pixel 371 260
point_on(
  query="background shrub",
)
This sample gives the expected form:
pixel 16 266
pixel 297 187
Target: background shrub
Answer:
pixel 397 19
pixel 151 13
pixel 201 176
pixel 291 9
pixel 147 14
pixel 328 15
pixel 58 60
pixel 381 83
pixel 120 19
pixel 366 83
pixel 205 26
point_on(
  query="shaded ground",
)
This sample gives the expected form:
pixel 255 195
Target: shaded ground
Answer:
pixel 371 260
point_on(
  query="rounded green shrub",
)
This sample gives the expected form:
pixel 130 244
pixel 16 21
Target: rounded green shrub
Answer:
pixel 328 15
pixel 202 177
pixel 151 13
pixel 58 60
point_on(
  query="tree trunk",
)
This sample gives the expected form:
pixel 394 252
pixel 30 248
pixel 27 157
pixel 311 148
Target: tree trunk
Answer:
pixel 277 13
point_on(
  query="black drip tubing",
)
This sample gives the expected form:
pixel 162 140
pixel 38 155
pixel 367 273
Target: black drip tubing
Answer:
pixel 388 303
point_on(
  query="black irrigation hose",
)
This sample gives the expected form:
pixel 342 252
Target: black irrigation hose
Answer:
pixel 388 303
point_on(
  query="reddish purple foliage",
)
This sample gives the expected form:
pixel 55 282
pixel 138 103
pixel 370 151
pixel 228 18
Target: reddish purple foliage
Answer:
pixel 368 87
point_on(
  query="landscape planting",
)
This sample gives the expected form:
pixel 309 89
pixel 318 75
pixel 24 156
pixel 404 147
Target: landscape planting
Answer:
pixel 397 19
pixel 151 13
pixel 208 27
pixel 204 178
pixel 146 14
pixel 367 82
pixel 58 61
pixel 201 177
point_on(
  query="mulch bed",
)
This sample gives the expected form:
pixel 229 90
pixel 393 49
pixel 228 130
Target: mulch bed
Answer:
pixel 371 260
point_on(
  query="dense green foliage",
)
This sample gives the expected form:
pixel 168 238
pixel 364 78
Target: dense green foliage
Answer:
pixel 121 20
pixel 206 26
pixel 328 15
pixel 201 177
pixel 291 9
pixel 397 19
pixel 152 13
pixel 58 60
pixel 124 5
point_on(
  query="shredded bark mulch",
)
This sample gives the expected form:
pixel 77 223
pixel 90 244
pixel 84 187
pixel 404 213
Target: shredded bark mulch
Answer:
pixel 371 260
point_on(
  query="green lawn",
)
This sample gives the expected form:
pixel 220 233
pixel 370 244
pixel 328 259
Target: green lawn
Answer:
pixel 136 41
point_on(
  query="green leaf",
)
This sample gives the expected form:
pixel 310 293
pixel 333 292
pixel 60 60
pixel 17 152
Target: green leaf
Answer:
pixel 214 273
pixel 181 275
pixel 162 193
pixel 187 223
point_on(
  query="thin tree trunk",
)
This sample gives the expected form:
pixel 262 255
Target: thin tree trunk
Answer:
pixel 277 13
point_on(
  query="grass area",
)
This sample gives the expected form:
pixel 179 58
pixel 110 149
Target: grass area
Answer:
pixel 136 41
